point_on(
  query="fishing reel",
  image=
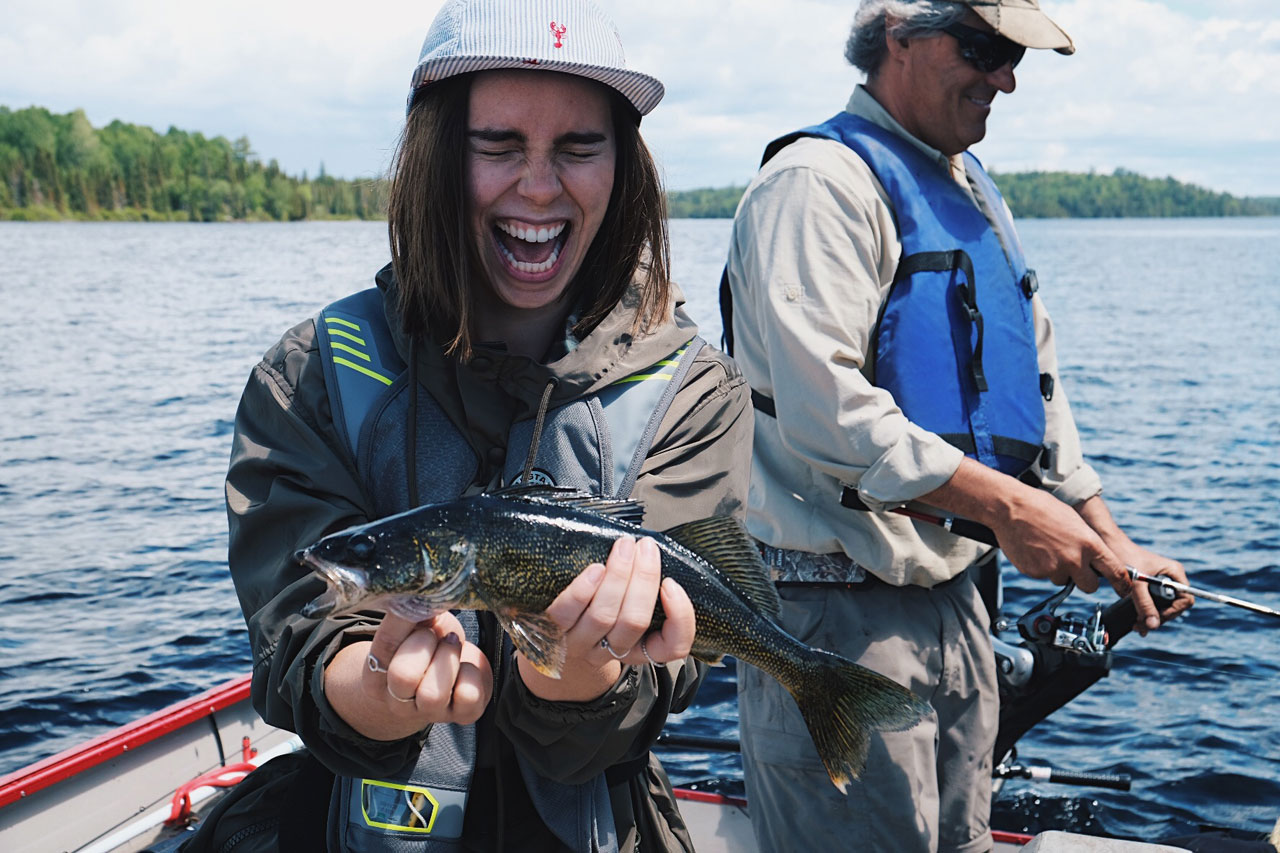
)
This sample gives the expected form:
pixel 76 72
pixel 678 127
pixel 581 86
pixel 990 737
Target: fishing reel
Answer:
pixel 1060 656
pixel 1070 632
pixel 1048 634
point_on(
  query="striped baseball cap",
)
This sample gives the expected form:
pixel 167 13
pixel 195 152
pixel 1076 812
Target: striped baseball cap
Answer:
pixel 571 36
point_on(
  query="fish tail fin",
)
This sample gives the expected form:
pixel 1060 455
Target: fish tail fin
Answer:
pixel 842 703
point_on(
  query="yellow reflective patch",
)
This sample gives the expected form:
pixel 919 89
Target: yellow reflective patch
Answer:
pixel 641 377
pixel 404 808
pixel 351 350
pixel 342 322
pixel 348 336
pixel 359 368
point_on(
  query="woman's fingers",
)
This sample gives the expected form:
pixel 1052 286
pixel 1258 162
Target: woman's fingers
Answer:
pixel 428 670
pixel 600 620
pixel 675 640
pixel 635 611
pixel 573 600
pixel 387 639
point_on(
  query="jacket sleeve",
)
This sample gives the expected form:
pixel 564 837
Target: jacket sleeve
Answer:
pixel 698 466
pixel 287 485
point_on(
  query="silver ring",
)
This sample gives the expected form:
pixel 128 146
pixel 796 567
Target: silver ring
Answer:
pixel 645 651
pixel 604 644
pixel 413 698
pixel 375 665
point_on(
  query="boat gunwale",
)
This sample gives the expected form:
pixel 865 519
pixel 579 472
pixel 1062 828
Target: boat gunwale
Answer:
pixel 96 751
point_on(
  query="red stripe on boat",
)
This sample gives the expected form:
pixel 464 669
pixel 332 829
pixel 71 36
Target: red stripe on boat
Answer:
pixel 709 797
pixel 57 768
pixel 1010 837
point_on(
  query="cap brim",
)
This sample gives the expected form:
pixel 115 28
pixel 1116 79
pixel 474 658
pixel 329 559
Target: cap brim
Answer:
pixel 1028 27
pixel 644 92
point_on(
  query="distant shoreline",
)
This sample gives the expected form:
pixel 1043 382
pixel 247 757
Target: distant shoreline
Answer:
pixel 6 219
pixel 61 168
pixel 1051 195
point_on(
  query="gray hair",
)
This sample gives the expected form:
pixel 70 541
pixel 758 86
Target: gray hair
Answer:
pixel 866 47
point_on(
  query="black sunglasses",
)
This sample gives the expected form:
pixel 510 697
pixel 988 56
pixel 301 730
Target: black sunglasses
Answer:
pixel 985 51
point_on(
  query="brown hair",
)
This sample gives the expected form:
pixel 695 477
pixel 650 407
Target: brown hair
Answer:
pixel 433 252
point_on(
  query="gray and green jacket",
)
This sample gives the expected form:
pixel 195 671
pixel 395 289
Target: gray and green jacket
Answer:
pixel 292 479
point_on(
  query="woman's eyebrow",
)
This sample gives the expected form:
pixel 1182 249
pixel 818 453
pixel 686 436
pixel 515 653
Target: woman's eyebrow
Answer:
pixel 485 134
pixel 591 137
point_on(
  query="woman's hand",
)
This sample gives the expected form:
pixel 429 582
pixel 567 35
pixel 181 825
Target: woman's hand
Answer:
pixel 411 675
pixel 605 614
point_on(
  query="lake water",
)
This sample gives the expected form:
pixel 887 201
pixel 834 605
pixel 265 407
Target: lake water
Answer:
pixel 128 346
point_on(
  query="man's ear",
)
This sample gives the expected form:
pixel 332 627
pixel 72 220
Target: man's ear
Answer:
pixel 892 42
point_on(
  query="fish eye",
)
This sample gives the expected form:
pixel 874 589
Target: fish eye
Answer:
pixel 361 546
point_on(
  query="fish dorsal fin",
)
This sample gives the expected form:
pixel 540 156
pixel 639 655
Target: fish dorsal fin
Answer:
pixel 724 543
pixel 628 511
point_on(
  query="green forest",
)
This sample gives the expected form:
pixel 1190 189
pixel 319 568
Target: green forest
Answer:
pixel 1040 195
pixel 61 167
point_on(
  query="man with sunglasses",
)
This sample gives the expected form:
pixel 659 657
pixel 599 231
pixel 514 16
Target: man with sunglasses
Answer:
pixel 877 300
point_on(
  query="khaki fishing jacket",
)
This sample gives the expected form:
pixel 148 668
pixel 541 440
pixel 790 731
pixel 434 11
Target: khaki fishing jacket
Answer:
pixel 291 481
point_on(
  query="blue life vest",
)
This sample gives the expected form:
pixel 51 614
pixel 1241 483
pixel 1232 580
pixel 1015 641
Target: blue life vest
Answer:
pixel 596 444
pixel 955 339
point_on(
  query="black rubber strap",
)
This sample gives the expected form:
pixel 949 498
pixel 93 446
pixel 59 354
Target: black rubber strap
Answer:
pixel 619 773
pixel 763 404
pixel 1023 451
pixel 726 313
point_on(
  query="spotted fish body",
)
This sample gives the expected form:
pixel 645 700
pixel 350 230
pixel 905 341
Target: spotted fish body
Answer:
pixel 512 553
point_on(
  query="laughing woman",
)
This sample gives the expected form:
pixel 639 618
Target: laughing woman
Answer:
pixel 525 331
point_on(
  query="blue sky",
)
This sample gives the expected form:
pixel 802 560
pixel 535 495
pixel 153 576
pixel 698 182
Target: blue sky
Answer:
pixel 1188 88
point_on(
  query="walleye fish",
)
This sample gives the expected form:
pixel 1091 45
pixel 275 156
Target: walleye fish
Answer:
pixel 511 552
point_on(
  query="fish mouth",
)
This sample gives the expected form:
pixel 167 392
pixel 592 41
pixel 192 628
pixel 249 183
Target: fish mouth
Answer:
pixel 344 585
pixel 348 587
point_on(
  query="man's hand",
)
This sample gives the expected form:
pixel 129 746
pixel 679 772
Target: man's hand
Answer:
pixel 1094 511
pixel 1043 537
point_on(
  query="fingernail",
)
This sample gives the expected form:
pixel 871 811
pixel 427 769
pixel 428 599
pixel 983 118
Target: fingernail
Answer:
pixel 625 546
pixel 648 545
pixel 1153 621
pixel 595 571
pixel 452 639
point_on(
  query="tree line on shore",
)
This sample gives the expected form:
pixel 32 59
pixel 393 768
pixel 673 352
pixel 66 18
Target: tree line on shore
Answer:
pixel 1046 195
pixel 61 167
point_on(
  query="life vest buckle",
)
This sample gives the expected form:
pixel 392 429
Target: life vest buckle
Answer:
pixel 1030 284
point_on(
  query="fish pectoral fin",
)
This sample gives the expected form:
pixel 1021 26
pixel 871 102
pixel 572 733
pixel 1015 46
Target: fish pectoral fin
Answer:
pixel 723 542
pixel 537 637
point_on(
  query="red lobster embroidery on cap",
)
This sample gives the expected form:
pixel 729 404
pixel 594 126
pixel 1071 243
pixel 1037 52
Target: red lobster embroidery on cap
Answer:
pixel 559 31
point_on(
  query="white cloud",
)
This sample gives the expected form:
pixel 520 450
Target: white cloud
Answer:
pixel 1188 90
pixel 1179 87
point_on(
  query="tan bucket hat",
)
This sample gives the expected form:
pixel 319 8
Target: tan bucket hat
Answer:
pixel 1023 22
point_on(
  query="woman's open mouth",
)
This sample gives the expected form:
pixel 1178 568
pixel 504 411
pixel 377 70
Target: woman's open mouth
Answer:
pixel 530 251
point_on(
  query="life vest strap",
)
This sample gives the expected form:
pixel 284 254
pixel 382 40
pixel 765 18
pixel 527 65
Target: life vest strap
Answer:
pixel 952 262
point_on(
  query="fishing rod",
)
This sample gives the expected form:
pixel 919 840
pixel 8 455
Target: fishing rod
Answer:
pixel 981 533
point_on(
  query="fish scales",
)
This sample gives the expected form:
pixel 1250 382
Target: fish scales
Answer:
pixel 512 552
